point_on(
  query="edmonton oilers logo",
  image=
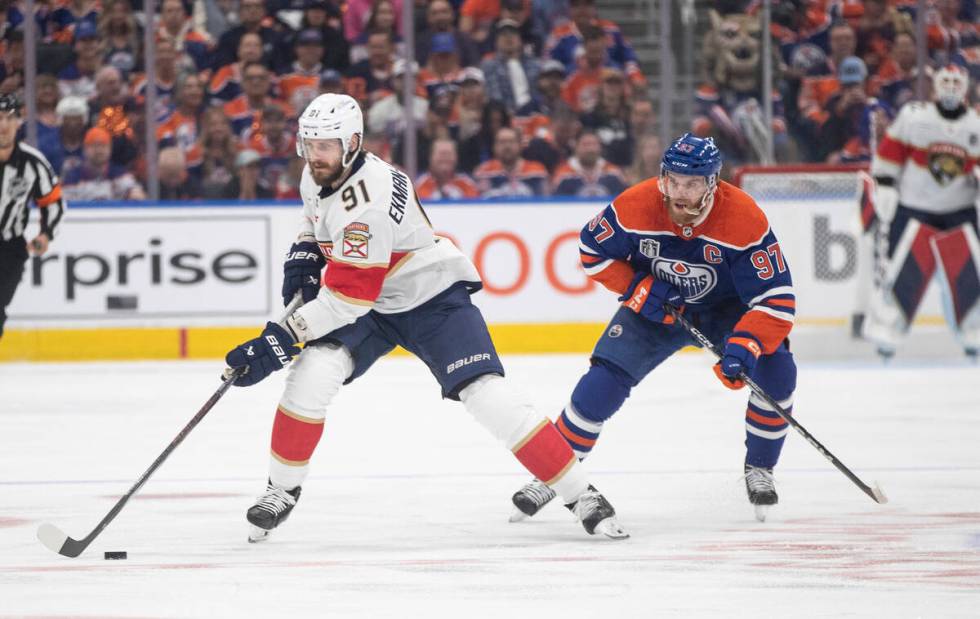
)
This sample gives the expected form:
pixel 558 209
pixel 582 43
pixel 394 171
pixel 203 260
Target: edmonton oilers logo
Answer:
pixel 693 280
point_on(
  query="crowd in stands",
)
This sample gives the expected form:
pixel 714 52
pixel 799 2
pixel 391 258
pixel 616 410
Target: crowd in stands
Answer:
pixel 513 98
pixel 843 70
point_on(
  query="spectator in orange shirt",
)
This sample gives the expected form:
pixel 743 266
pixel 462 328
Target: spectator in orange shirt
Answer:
pixel 895 82
pixel 245 110
pixel 581 90
pixel 509 175
pixel 226 83
pixel 274 143
pixel 181 127
pixel 301 84
pixel 443 181
pixel 477 16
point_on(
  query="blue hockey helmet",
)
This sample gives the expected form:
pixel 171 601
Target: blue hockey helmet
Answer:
pixel 692 156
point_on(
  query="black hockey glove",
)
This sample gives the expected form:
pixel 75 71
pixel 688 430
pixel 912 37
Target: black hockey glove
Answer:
pixel 271 351
pixel 301 271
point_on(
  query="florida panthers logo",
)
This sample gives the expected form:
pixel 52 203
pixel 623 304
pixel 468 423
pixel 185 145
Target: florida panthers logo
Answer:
pixel 946 162
pixel 693 280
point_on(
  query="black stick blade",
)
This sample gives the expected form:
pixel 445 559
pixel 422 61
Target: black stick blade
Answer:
pixel 57 541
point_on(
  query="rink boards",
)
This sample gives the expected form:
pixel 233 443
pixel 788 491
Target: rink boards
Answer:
pixel 127 281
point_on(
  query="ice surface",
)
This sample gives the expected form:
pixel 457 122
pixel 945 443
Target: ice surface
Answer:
pixel 405 513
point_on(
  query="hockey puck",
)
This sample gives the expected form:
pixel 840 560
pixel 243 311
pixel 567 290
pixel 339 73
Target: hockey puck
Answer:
pixel 120 554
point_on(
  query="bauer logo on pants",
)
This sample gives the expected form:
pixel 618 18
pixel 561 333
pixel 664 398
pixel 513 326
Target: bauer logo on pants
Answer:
pixel 455 365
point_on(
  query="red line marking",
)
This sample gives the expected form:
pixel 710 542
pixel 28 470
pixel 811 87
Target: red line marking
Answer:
pixel 182 335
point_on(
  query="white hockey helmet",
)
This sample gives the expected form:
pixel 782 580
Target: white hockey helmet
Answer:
pixel 950 85
pixel 332 115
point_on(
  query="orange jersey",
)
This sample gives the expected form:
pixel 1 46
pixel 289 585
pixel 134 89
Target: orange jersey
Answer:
pixel 730 255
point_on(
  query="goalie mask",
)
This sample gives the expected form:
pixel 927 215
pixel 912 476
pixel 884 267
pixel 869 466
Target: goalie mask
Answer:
pixel 692 156
pixel 950 85
pixel 329 116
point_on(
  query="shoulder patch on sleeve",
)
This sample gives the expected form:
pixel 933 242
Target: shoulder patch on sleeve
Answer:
pixel 357 235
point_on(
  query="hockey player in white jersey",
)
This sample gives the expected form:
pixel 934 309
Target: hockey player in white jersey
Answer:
pixel 389 280
pixel 925 199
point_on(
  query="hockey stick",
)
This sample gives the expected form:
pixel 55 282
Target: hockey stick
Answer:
pixel 875 493
pixel 58 541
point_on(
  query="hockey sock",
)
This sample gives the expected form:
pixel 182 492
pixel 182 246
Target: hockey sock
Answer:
pixel 765 432
pixel 294 438
pixel 597 396
pixel 532 438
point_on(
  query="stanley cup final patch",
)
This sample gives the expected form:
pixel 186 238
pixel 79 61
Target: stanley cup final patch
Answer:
pixel 356 238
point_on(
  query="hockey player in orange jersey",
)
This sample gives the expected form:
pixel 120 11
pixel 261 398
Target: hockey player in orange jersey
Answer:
pixel 697 243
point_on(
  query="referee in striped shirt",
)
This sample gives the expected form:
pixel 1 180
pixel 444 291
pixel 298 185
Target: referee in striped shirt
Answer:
pixel 25 175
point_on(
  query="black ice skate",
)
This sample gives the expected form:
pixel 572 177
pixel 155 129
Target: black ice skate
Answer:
pixel 270 510
pixel 530 499
pixel 762 490
pixel 597 515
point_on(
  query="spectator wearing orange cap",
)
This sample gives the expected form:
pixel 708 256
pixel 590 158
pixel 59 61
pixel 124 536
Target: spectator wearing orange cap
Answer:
pixel 97 178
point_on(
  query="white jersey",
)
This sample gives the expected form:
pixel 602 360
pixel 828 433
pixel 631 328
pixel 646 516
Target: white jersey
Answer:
pixel 381 251
pixel 931 158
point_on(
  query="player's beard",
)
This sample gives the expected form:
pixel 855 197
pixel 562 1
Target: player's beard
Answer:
pixel 324 176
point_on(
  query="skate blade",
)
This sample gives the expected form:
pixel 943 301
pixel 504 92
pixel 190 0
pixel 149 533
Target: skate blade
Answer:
pixel 611 529
pixel 761 511
pixel 256 535
pixel 517 516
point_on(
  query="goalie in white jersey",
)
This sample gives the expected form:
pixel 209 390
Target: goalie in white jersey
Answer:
pixel 925 172
pixel 388 281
